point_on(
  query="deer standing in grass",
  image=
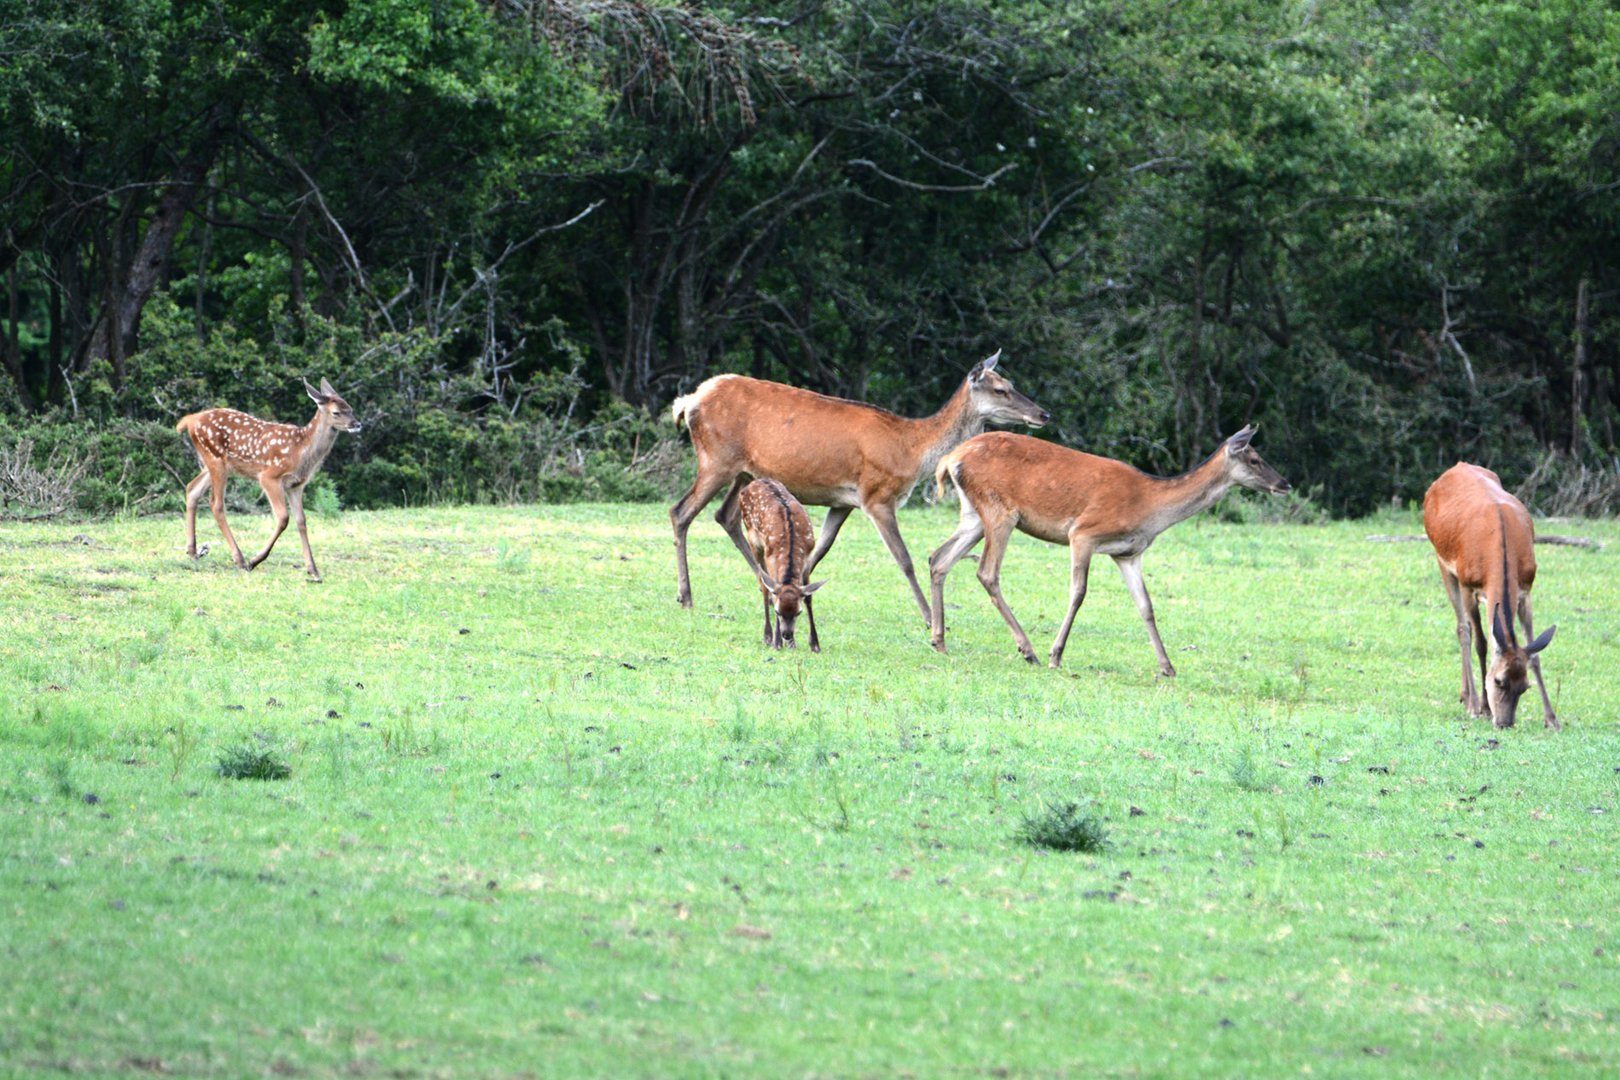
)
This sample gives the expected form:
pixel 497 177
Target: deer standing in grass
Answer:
pixel 828 452
pixel 281 457
pixel 779 532
pixel 1483 538
pixel 1093 504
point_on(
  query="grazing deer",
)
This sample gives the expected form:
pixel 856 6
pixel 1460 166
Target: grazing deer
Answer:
pixel 828 452
pixel 1093 504
pixel 281 457
pixel 779 532
pixel 1483 538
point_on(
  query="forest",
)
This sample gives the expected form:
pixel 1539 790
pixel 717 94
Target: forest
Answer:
pixel 510 232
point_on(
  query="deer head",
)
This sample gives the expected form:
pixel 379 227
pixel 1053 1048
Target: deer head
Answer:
pixel 1248 468
pixel 788 600
pixel 334 410
pixel 995 400
pixel 1509 676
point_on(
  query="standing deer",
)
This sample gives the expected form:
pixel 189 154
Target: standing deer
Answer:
pixel 1093 504
pixel 1483 538
pixel 828 452
pixel 779 532
pixel 281 457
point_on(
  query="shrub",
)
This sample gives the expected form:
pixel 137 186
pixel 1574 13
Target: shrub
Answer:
pixel 1064 827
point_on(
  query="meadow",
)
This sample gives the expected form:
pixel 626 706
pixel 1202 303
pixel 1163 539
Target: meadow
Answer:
pixel 539 821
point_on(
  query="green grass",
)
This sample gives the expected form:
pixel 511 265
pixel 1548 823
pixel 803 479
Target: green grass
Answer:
pixel 542 822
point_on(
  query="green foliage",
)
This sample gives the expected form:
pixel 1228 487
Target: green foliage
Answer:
pixel 252 763
pixel 1064 827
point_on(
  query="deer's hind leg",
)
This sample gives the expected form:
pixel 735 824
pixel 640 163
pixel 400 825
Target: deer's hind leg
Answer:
pixel 684 512
pixel 276 493
pixel 195 491
pixel 217 476
pixel 295 499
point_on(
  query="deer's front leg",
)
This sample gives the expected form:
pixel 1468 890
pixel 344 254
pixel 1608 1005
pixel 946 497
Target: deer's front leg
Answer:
pixel 278 506
pixel 295 497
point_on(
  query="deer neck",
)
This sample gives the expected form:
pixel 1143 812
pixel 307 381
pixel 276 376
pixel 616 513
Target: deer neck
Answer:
pixel 318 438
pixel 932 437
pixel 1180 497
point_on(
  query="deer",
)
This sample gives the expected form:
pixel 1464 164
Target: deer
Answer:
pixel 1094 504
pixel 281 457
pixel 827 451
pixel 1484 541
pixel 779 533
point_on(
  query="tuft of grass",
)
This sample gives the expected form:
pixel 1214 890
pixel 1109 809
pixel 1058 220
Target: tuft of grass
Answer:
pixel 1064 827
pixel 250 763
pixel 1246 774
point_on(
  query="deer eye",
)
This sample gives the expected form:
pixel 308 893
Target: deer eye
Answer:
pixel 1001 391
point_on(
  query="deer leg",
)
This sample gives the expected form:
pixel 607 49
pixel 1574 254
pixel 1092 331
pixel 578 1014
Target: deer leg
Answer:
pixel 295 497
pixel 770 634
pixel 1548 719
pixel 969 531
pixel 836 516
pixel 810 613
pixel 1079 568
pixel 194 495
pixel 882 515
pixel 995 547
pixel 1468 633
pixel 730 518
pixel 278 506
pixel 1130 567
pixel 216 502
pixel 681 516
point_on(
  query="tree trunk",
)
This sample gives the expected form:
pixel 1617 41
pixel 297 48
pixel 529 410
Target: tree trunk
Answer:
pixel 114 336
pixel 1577 381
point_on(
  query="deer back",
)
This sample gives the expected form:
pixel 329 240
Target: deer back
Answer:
pixel 778 529
pixel 1480 532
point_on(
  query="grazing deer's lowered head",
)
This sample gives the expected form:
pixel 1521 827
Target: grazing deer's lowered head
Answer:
pixel 779 532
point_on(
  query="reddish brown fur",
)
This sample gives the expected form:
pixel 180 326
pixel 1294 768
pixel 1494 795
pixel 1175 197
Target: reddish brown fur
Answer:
pixel 1093 504
pixel 1484 541
pixel 281 457
pixel 826 451
pixel 780 534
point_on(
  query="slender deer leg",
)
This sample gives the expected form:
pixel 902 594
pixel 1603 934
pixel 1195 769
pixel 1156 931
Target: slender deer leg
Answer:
pixel 194 495
pixel 216 502
pixel 730 518
pixel 770 634
pixel 681 516
pixel 882 515
pixel 1467 634
pixel 836 516
pixel 1548 719
pixel 996 535
pixel 810 613
pixel 1130 567
pixel 295 499
pixel 1481 705
pixel 278 506
pixel 1080 549
pixel 969 531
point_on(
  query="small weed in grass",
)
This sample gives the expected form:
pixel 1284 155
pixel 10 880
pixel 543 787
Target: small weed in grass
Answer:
pixel 1246 774
pixel 248 763
pixel 1064 827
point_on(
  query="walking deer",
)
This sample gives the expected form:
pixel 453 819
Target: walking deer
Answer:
pixel 1094 504
pixel 828 452
pixel 779 532
pixel 1483 538
pixel 281 457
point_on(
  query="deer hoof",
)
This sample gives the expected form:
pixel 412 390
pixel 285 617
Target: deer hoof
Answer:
pixel 939 645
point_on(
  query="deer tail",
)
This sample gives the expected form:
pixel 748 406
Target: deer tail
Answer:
pixel 681 410
pixel 945 474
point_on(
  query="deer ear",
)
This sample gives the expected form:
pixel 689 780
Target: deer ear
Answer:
pixel 1542 640
pixel 1241 440
pixel 315 395
pixel 326 388
pixel 814 585
pixel 987 364
pixel 1501 629
pixel 770 583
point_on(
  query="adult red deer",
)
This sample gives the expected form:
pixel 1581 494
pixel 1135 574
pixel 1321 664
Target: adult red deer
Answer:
pixel 828 452
pixel 1093 504
pixel 1483 538
pixel 779 532
pixel 281 457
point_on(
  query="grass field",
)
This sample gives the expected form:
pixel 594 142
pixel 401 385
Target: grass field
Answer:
pixel 542 822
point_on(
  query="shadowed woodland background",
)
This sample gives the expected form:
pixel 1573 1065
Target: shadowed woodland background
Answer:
pixel 511 231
